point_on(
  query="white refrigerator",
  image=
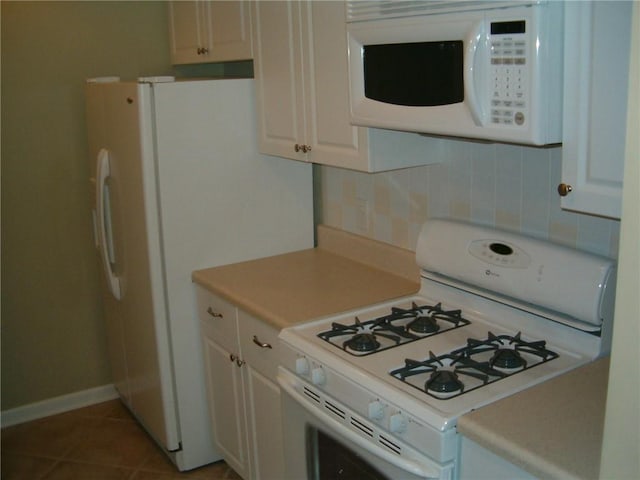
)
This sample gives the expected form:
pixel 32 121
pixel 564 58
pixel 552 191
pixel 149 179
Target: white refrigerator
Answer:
pixel 179 185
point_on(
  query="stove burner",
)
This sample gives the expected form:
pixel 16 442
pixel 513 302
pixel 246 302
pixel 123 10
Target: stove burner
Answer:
pixel 511 356
pixel 507 358
pixel 468 368
pixel 362 342
pixel 444 381
pixel 425 318
pixel 444 374
pixel 398 327
pixel 423 324
pixel 363 337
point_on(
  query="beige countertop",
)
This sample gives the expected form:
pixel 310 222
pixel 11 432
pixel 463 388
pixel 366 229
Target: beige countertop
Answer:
pixel 296 287
pixel 553 430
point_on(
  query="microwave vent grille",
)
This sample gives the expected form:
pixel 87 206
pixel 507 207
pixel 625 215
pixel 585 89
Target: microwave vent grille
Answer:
pixel 358 10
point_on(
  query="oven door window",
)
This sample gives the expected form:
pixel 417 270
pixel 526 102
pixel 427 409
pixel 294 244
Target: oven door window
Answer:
pixel 331 460
pixel 422 74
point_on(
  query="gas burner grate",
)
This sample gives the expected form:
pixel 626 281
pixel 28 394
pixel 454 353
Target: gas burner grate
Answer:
pixel 507 350
pixel 397 328
pixel 479 363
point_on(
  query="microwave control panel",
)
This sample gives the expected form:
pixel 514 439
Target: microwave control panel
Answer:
pixel 509 99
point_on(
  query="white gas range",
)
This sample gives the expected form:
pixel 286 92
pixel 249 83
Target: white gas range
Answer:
pixel 377 391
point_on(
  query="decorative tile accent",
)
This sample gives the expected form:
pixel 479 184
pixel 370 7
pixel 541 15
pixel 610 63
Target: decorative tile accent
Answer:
pixel 506 186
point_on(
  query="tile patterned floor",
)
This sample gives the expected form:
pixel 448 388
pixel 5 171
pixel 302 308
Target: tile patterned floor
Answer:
pixel 100 442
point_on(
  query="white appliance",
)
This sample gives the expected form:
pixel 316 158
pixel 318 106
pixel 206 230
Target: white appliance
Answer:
pixel 180 186
pixel 376 392
pixel 488 70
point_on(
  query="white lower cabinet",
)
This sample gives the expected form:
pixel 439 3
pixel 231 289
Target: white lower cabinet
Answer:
pixel 226 404
pixel 241 361
pixel 262 396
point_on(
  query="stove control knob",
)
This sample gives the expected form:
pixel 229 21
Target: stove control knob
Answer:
pixel 376 410
pixel 398 423
pixel 318 377
pixel 302 366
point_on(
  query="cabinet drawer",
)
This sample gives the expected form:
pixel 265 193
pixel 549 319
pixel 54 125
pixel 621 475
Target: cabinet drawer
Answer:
pixel 218 319
pixel 256 353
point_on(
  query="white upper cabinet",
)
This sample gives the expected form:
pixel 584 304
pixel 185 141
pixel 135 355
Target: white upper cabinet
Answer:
pixel 597 46
pixel 204 31
pixel 300 66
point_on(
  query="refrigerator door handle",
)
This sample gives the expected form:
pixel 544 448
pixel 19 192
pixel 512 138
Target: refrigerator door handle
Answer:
pixel 105 229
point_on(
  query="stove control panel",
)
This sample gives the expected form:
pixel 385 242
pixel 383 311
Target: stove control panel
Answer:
pixel 499 253
pixel 377 410
pixel 564 284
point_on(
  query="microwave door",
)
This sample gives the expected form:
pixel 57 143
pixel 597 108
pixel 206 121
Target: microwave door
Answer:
pixel 405 76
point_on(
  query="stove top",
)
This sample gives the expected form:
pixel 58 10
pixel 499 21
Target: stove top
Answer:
pixel 496 313
pixel 469 362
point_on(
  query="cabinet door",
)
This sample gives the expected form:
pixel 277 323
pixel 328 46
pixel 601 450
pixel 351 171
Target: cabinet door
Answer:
pixel 265 426
pixel 261 351
pixel 226 404
pixel 188 31
pixel 230 34
pixel 333 140
pixel 597 46
pixel 202 31
pixel 278 78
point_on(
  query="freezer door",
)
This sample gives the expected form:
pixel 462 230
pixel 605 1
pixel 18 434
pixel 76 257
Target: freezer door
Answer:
pixel 120 129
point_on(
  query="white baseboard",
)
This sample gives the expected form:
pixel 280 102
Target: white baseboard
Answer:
pixel 55 405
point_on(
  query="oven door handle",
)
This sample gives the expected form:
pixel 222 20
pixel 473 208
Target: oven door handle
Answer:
pixel 410 466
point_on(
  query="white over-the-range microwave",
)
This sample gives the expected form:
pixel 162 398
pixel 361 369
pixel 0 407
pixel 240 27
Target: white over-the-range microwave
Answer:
pixel 490 70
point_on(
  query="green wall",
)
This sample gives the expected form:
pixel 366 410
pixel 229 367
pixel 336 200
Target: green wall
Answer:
pixel 52 331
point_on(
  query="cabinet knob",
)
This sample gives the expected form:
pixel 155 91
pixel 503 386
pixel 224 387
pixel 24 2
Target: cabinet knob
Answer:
pixel 202 50
pixel 214 314
pixel 302 148
pixel 564 189
pixel 260 344
pixel 235 358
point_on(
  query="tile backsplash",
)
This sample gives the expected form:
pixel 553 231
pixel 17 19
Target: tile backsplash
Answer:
pixel 506 186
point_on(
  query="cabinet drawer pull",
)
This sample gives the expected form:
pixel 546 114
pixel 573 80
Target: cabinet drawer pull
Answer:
pixel 260 344
pixel 214 314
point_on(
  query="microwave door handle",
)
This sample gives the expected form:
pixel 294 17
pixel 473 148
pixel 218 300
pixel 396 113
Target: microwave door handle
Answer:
pixel 471 74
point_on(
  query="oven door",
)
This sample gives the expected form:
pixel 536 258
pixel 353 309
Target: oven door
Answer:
pixel 324 439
